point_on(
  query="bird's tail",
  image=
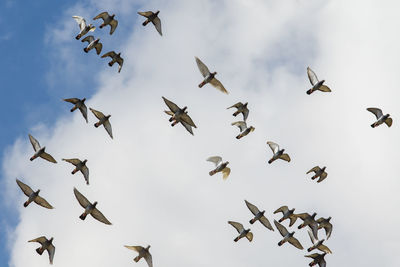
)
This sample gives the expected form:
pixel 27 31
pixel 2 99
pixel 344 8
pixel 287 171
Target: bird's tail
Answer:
pixel 373 125
pixel 145 22
pixel 270 161
pixel 26 203
pixel 85 49
pixel 97 124
pixel 309 91
pixel 314 177
pixel 202 84
pixel 136 259
pixel 252 221
pixel 83 216
pixel 74 171
pixel 78 37
pixel 236 239
pixel 236 113
pixel 280 243
pixel 72 109
pixel 40 250
pixel 211 173
pixel 239 136
pixel 33 157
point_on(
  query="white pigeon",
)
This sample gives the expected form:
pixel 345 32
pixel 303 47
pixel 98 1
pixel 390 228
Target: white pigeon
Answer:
pixel 380 117
pixel 84 28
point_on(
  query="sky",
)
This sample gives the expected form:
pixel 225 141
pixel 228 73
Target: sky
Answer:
pixel 151 181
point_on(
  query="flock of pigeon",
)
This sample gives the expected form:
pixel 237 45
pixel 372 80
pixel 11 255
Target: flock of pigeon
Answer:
pixel 180 115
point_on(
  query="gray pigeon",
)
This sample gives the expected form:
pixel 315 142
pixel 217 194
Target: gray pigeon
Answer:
pixel 241 108
pixel 103 120
pixel 258 216
pixel 380 117
pixel 287 214
pixel 287 237
pixel 143 253
pixel 33 196
pixel 243 128
pixel 278 154
pixel 90 208
pixel 317 259
pixel 107 20
pixel 209 77
pixel 92 43
pixel 40 151
pixel 220 167
pixel 325 223
pixel 317 244
pixel 178 114
pixel 309 220
pixel 78 103
pixel 80 166
pixel 318 172
pixel 47 244
pixel 317 84
pixel 153 18
pixel 84 28
pixel 115 58
pixel 242 232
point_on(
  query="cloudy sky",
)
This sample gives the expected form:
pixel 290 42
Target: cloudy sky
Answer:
pixel 151 181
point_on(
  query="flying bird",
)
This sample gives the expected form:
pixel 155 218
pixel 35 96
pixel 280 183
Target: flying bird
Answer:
pixel 103 120
pixel 40 151
pixel 92 43
pixel 278 154
pixel 89 208
pixel 244 130
pixel 325 223
pixel 80 104
pixel 287 237
pixel 309 220
pixel 84 28
pixel 115 58
pixel 287 214
pixel 242 232
pixel 33 196
pixel 46 244
pixel 318 172
pixel 209 77
pixel 220 167
pixel 380 117
pixel 80 166
pixel 317 244
pixel 317 84
pixel 317 259
pixel 258 216
pixel 143 253
pixel 153 18
pixel 241 108
pixel 107 20
pixel 179 115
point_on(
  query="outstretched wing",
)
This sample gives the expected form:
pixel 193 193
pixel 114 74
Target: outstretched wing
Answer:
pixel 113 24
pixel 322 177
pixel 324 88
pixel 48 157
pixel 217 84
pixel 135 248
pixel 238 226
pixel 315 169
pixel 274 147
pixel 72 100
pixel 146 13
pixel 72 161
pixel 83 110
pixel 292 240
pixel 241 124
pixel 81 21
pixel 216 160
pixel 187 127
pixel 266 223
pixel 285 157
pixel 312 76
pixel 376 111
pixel 85 172
pixel 25 188
pixel 89 39
pixel 51 250
pixel 157 24
pixel 99 115
pixel 98 47
pixel 111 54
pixel 120 61
pixel 171 105
pixel 40 240
pixel 202 67
pixel 282 229
pixel 186 118
pixel 148 259
pixel 252 208
pixel 34 142
pixel 107 126
pixel 103 15
pixel 282 209
pixel 81 199
pixel 237 105
pixel 389 122
pixel 99 216
pixel 225 173
pixel 43 202
pixel 312 238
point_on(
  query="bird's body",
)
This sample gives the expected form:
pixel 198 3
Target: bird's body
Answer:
pixel 317 259
pixel 317 244
pixel 309 220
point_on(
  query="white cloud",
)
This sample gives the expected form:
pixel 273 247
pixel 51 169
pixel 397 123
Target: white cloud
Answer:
pixel 152 180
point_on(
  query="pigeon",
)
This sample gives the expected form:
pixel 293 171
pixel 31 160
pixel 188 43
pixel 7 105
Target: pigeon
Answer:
pixel 317 259
pixel 80 166
pixel 318 172
pixel 47 244
pixel 103 120
pixel 258 215
pixel 153 18
pixel 33 196
pixel 243 128
pixel 317 84
pixel 287 237
pixel 92 43
pixel 78 103
pixel 143 253
pixel 209 77
pixel 317 244
pixel 242 232
pixel 178 115
pixel 114 58
pixel 220 167
pixel 241 108
pixel 324 223
pixel 309 220
pixel 287 214
pixel 39 151
pixel 278 154
pixel 90 208
pixel 107 20
pixel 380 117
pixel 84 29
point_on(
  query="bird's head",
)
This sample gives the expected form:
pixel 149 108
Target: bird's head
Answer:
pixel 184 108
pixel 37 192
pixel 329 218
pixel 51 240
pixel 158 11
pixel 214 73
pixel 112 16
pixel 313 216
pixel 108 116
pixel 84 162
pixel 292 210
pixel 94 204
pixel 148 247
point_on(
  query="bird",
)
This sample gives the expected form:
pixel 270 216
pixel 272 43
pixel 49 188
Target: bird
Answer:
pixel 103 120
pixel 92 43
pixel 287 237
pixel 318 172
pixel 40 151
pixel 153 18
pixel 241 108
pixel 244 130
pixel 33 196
pixel 242 232
pixel 325 223
pixel 178 115
pixel 209 77
pixel 84 28
pixel 107 20
pixel 317 259
pixel 278 154
pixel 143 253
pixel 258 216
pixel 90 208
pixel 317 244
pixel 317 84
pixel 115 58
pixel 80 166
pixel 309 220
pixel 287 214
pixel 47 244
pixel 78 103
pixel 220 167
pixel 380 117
